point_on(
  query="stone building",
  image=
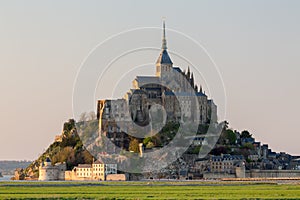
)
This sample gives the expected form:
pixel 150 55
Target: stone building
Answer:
pixel 225 163
pixel 95 171
pixel 171 88
pixel 223 166
pixel 84 171
pixel 49 172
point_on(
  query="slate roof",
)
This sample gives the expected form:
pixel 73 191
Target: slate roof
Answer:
pixel 201 94
pixel 142 80
pixel 169 93
pixel 177 69
pixel 227 157
pixel 84 166
pixel 164 58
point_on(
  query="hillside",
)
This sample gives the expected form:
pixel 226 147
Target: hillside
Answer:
pixel 68 148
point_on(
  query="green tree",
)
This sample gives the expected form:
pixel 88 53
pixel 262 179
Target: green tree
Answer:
pixel 146 140
pixel 220 150
pixel 246 134
pixel 230 135
pixel 149 145
pixel 248 146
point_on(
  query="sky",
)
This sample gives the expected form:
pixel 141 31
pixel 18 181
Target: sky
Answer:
pixel 254 44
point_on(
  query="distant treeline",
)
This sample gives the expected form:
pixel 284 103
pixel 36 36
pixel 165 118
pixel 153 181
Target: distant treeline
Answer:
pixel 7 167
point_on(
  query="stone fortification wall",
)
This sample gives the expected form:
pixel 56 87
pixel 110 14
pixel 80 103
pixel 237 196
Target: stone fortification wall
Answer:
pixel 210 175
pixel 116 177
pixel 272 173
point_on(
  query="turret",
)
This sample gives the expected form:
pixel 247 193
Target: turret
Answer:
pixel 47 162
pixel 192 80
pixel 188 74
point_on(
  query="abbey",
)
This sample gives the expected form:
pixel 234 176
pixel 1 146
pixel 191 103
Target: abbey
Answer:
pixel 171 89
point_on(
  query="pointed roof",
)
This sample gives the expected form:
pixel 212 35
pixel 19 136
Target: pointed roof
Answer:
pixel 192 80
pixel 200 94
pixel 164 40
pixel 188 72
pixel 164 57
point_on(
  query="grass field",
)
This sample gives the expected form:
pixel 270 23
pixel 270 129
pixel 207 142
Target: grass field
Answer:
pixel 148 190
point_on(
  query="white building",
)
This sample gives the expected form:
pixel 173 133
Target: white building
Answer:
pixel 110 169
pixel 95 171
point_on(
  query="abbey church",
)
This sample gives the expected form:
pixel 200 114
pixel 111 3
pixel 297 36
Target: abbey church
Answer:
pixel 171 88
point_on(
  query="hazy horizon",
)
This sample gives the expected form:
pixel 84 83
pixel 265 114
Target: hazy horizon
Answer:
pixel 255 45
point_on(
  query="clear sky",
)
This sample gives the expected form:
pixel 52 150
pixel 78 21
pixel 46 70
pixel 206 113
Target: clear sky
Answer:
pixel 255 44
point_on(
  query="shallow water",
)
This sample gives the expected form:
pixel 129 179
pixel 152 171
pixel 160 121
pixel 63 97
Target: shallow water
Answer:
pixel 5 178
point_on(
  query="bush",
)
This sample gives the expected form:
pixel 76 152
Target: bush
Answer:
pixel 134 145
pixel 248 146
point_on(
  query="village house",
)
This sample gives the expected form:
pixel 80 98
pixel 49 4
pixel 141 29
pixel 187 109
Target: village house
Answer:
pixel 95 171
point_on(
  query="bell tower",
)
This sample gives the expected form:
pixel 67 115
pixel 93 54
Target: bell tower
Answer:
pixel 164 63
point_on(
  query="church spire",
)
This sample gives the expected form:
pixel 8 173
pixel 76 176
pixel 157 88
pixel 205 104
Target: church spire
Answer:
pixel 188 73
pixel 164 40
pixel 164 57
pixel 192 80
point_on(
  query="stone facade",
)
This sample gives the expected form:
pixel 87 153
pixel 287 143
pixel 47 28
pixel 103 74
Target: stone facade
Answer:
pixel 172 89
pixel 223 166
pixel 96 171
pixel 225 163
pixel 272 173
pixel 116 177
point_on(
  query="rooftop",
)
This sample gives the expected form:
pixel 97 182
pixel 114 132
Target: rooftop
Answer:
pixel 84 166
pixel 142 80
pixel 164 58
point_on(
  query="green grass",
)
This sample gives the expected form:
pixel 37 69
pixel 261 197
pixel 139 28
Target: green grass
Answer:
pixel 151 190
